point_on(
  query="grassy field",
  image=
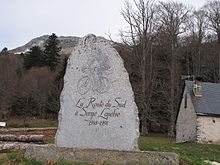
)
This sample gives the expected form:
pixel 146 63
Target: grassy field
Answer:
pixel 17 158
pixel 30 123
pixel 190 153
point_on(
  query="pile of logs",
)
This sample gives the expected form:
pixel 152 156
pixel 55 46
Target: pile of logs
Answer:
pixel 21 138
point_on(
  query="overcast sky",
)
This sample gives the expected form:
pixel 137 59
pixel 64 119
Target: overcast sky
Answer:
pixel 23 20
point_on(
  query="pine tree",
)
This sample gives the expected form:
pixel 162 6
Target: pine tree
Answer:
pixel 24 106
pixel 51 52
pixel 52 103
pixel 34 58
pixel 63 69
pixel 4 51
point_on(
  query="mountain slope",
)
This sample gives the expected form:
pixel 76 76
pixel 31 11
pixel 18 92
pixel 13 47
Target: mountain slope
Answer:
pixel 66 43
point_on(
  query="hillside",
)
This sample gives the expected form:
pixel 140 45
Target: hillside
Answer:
pixel 66 42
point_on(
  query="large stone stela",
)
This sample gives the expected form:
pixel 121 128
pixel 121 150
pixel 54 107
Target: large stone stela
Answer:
pixel 97 101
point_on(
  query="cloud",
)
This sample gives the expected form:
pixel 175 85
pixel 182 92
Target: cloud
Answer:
pixel 22 20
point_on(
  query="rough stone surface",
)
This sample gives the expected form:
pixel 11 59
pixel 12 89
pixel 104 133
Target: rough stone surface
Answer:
pixel 208 129
pixel 100 156
pixel 97 101
pixel 186 131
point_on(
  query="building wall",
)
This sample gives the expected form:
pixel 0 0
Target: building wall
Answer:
pixel 208 129
pixel 186 121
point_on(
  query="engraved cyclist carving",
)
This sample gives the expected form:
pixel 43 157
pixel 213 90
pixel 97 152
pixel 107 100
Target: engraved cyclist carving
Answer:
pixel 95 72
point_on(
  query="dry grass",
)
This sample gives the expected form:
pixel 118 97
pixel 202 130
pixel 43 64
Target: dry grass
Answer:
pixel 18 122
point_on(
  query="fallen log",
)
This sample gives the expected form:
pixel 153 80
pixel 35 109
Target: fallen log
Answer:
pixel 7 146
pixel 23 138
pixel 12 146
pixel 27 129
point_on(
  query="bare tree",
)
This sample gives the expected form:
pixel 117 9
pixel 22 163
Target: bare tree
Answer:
pixel 10 72
pixel 212 9
pixel 172 18
pixel 198 30
pixel 139 35
pixel 37 83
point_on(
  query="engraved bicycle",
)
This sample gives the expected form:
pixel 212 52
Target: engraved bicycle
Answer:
pixel 94 78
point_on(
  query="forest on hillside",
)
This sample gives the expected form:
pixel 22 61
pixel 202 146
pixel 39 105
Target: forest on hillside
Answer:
pixel 163 44
pixel 31 82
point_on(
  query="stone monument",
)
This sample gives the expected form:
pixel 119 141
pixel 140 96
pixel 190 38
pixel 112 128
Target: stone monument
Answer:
pixel 97 101
pixel 98 118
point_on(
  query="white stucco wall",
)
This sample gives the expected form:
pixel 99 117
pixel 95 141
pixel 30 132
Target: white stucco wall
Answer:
pixel 186 121
pixel 208 129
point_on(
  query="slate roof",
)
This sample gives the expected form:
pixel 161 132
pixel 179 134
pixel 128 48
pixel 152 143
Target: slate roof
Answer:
pixel 209 103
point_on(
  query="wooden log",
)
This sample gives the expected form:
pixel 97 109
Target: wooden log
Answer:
pixel 5 147
pixel 27 129
pixel 13 146
pixel 23 138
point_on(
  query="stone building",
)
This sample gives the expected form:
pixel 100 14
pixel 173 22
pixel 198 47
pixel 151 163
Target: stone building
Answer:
pixel 199 115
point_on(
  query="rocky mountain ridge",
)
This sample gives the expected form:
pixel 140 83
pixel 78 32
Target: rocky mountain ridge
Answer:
pixel 66 43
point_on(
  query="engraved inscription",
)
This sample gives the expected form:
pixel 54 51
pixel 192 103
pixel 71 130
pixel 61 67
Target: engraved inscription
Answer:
pixel 99 112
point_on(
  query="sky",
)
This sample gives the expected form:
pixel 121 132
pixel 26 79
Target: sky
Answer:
pixel 23 20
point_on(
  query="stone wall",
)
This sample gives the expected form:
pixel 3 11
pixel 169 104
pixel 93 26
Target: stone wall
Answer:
pixel 208 129
pixel 186 121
